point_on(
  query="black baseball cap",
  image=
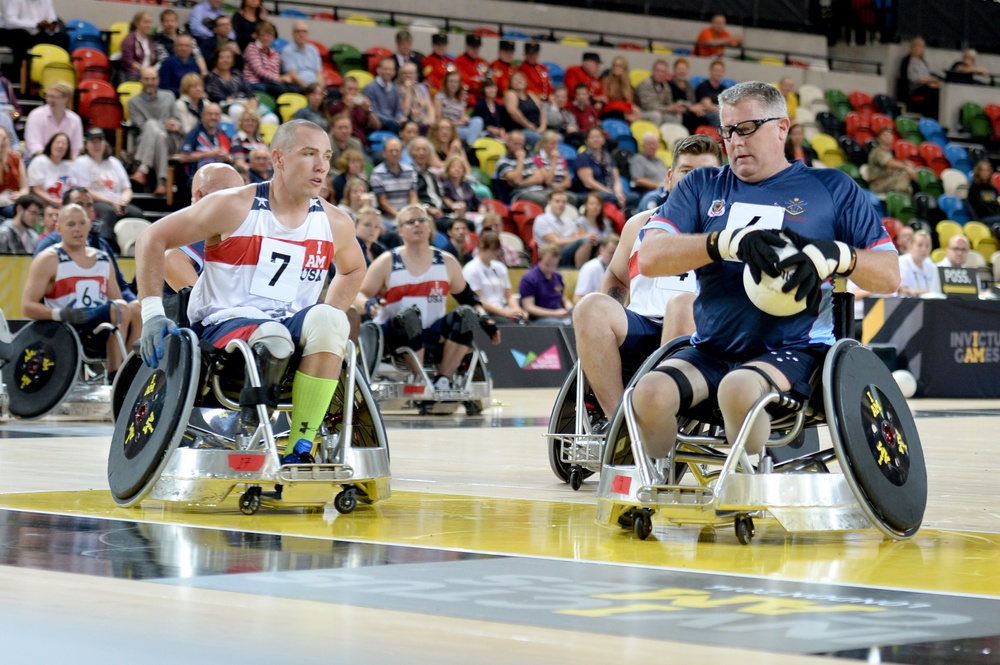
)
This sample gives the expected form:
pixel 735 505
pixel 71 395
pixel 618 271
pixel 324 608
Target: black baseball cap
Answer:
pixel 473 40
pixel 590 55
pixel 506 45
pixel 439 38
pixel 532 47
pixel 95 133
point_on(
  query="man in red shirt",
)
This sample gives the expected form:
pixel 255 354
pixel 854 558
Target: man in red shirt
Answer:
pixel 503 66
pixel 713 40
pixel 472 68
pixel 582 109
pixel 539 80
pixel 437 64
pixel 586 73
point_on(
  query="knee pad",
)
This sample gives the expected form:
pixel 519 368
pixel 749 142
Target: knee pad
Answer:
pixel 274 338
pixel 459 325
pixel 325 330
pixel 407 325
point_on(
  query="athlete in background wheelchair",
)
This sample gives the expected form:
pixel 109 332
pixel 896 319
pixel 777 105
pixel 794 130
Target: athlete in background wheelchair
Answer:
pixel 632 312
pixel 405 292
pixel 79 330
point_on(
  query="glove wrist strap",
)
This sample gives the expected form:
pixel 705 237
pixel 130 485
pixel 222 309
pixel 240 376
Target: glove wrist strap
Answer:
pixel 152 306
pixel 712 246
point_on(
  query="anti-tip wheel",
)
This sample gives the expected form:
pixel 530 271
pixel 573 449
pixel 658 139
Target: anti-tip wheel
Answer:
pixel 744 529
pixel 642 526
pixel 575 477
pixel 250 501
pixel 346 501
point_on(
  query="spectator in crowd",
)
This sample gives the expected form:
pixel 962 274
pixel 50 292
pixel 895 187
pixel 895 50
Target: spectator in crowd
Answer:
pixel 205 144
pixel 367 227
pixel 885 172
pixel 507 255
pixel 245 22
pixel 646 168
pixel 587 74
pixel 923 84
pixel 559 119
pixel 138 49
pixel 450 103
pixel 903 239
pixel 516 175
pixel 262 63
pixel 342 139
pixel 796 147
pixel 180 64
pixel 202 15
pixel 713 40
pixel 956 252
pixel 356 196
pixel 459 196
pixel 787 87
pixel 154 113
pixel 917 273
pixel 682 91
pixel 583 111
pixel 17 234
pixel 393 183
pixel 13 176
pixel 260 168
pixel 417 104
pixel 539 79
pixel 596 172
pixel 405 53
pixel 10 107
pixel 300 60
pixel 248 138
pixel 430 191
pixel 226 86
pixel 357 108
pixel 409 131
pixel 314 110
pixel 967 69
pixel 50 173
pixel 655 99
pixel 350 166
pixel 490 112
pixel 591 272
pixel 446 143
pixel 191 103
pixel 386 98
pixel 983 197
pixel 487 276
pixel 167 34
pixel 458 236
pixel 708 92
pixel 107 181
pixel 553 228
pixel 502 67
pixel 50 215
pixel 543 295
pixel 523 110
pixel 618 89
pixel 437 64
pixel 594 224
pixel 221 40
pixel 52 118
pixel 472 68
pixel 26 23
pixel 553 168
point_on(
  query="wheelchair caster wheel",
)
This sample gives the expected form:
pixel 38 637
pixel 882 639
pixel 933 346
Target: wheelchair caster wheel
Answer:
pixel 575 477
pixel 250 501
pixel 642 523
pixel 424 408
pixel 346 501
pixel 744 529
pixel 473 408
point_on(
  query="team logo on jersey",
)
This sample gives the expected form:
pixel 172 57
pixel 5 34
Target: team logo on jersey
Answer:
pixel 436 294
pixel 718 208
pixel 795 207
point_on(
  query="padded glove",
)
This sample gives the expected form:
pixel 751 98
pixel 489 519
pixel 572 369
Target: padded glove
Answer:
pixel 815 262
pixel 754 246
pixel 74 315
pixel 153 333
pixel 488 325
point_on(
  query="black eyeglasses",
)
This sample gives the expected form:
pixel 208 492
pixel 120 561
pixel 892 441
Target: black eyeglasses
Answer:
pixel 415 220
pixel 744 129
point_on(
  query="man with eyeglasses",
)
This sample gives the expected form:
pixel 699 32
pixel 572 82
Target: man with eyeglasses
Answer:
pixel 956 254
pixel 406 292
pixel 717 220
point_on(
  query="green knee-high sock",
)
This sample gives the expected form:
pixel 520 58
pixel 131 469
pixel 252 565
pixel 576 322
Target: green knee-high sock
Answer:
pixel 311 396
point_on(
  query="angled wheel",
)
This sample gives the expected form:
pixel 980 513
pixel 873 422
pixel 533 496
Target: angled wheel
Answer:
pixel 642 524
pixel 250 501
pixel 45 361
pixel 744 529
pixel 367 428
pixel 346 501
pixel 563 421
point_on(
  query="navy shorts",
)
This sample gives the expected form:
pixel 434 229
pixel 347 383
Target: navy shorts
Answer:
pixel 220 334
pixel 95 343
pixel 641 340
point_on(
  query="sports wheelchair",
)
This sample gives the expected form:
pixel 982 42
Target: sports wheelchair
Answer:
pixel 395 387
pixel 47 369
pixel 883 479
pixel 203 423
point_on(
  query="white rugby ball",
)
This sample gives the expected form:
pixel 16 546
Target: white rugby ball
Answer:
pixel 906 381
pixel 767 295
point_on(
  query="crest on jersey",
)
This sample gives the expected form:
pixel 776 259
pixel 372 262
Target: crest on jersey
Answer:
pixel 795 207
pixel 717 208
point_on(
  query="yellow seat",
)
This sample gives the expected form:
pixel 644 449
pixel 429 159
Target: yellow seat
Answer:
pixel 57 71
pixel 43 55
pixel 986 247
pixel 667 156
pixel 363 77
pixel 771 60
pixel 642 127
pixel 488 151
pixel 126 91
pixel 573 40
pixel 360 19
pixel 119 31
pixel 937 256
pixel 660 49
pixel 267 131
pixel 289 103
pixel 637 76
pixel 945 229
pixel 975 231
pixel 829 152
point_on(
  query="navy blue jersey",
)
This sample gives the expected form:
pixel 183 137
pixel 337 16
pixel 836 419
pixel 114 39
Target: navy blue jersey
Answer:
pixel 816 203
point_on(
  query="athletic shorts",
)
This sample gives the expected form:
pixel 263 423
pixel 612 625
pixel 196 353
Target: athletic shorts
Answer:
pixel 641 340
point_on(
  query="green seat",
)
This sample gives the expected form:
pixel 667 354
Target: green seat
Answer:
pixel 347 57
pixel 481 176
pixel 909 129
pixel 855 173
pixel 841 109
pixel 900 206
pixel 928 182
pixel 267 100
pixel 482 191
pixel 970 111
pixel 836 97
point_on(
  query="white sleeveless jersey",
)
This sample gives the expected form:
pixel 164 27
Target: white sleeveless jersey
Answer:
pixel 429 292
pixel 76 286
pixel 648 296
pixel 264 270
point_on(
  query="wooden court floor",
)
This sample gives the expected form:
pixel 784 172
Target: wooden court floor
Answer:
pixel 474 503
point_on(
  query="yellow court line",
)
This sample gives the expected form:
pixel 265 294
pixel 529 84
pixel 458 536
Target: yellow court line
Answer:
pixel 934 561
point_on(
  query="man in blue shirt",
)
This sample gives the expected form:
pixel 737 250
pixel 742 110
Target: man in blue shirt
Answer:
pixel 209 9
pixel 716 220
pixel 205 144
pixel 301 59
pixel 387 101
pixel 180 63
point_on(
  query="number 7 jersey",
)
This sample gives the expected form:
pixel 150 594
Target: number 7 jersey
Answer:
pixel 264 270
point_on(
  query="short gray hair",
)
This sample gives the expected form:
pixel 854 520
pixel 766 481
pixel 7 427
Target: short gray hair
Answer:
pixel 286 134
pixel 770 98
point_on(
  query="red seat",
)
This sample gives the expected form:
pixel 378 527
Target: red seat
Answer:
pixel 324 52
pixel 375 55
pixel 493 205
pixel 892 226
pixel 863 135
pixel 996 180
pixel 933 156
pixel 323 16
pixel 105 113
pixel 331 77
pixel 880 120
pixel 861 100
pixel 708 130
pixel 856 121
pixel 88 57
pixel 907 150
pixel 486 32
pixel 523 214
pixel 630 46
pixel 992 111
pixel 89 90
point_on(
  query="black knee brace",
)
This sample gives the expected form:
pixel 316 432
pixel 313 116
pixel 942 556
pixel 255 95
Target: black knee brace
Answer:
pixel 459 324
pixel 406 325
pixel 684 389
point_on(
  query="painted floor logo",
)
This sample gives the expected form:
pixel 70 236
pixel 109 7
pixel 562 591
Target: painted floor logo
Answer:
pixel 547 359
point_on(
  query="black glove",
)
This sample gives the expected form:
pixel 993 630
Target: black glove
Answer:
pixel 75 315
pixel 488 325
pixel 151 342
pixel 754 246
pixel 816 260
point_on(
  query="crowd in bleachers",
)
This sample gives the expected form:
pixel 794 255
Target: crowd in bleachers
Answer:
pixel 462 135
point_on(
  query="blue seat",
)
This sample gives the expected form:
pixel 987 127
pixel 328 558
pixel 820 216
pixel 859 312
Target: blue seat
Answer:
pixel 228 128
pixel 84 40
pixel 626 187
pixel 616 128
pixel 728 83
pixel 568 153
pixel 958 157
pixel 293 13
pixel 279 44
pixel 932 131
pixel 953 208
pixel 628 144
pixel 515 35
pixel 697 80
pixel 556 74
pixel 79 26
